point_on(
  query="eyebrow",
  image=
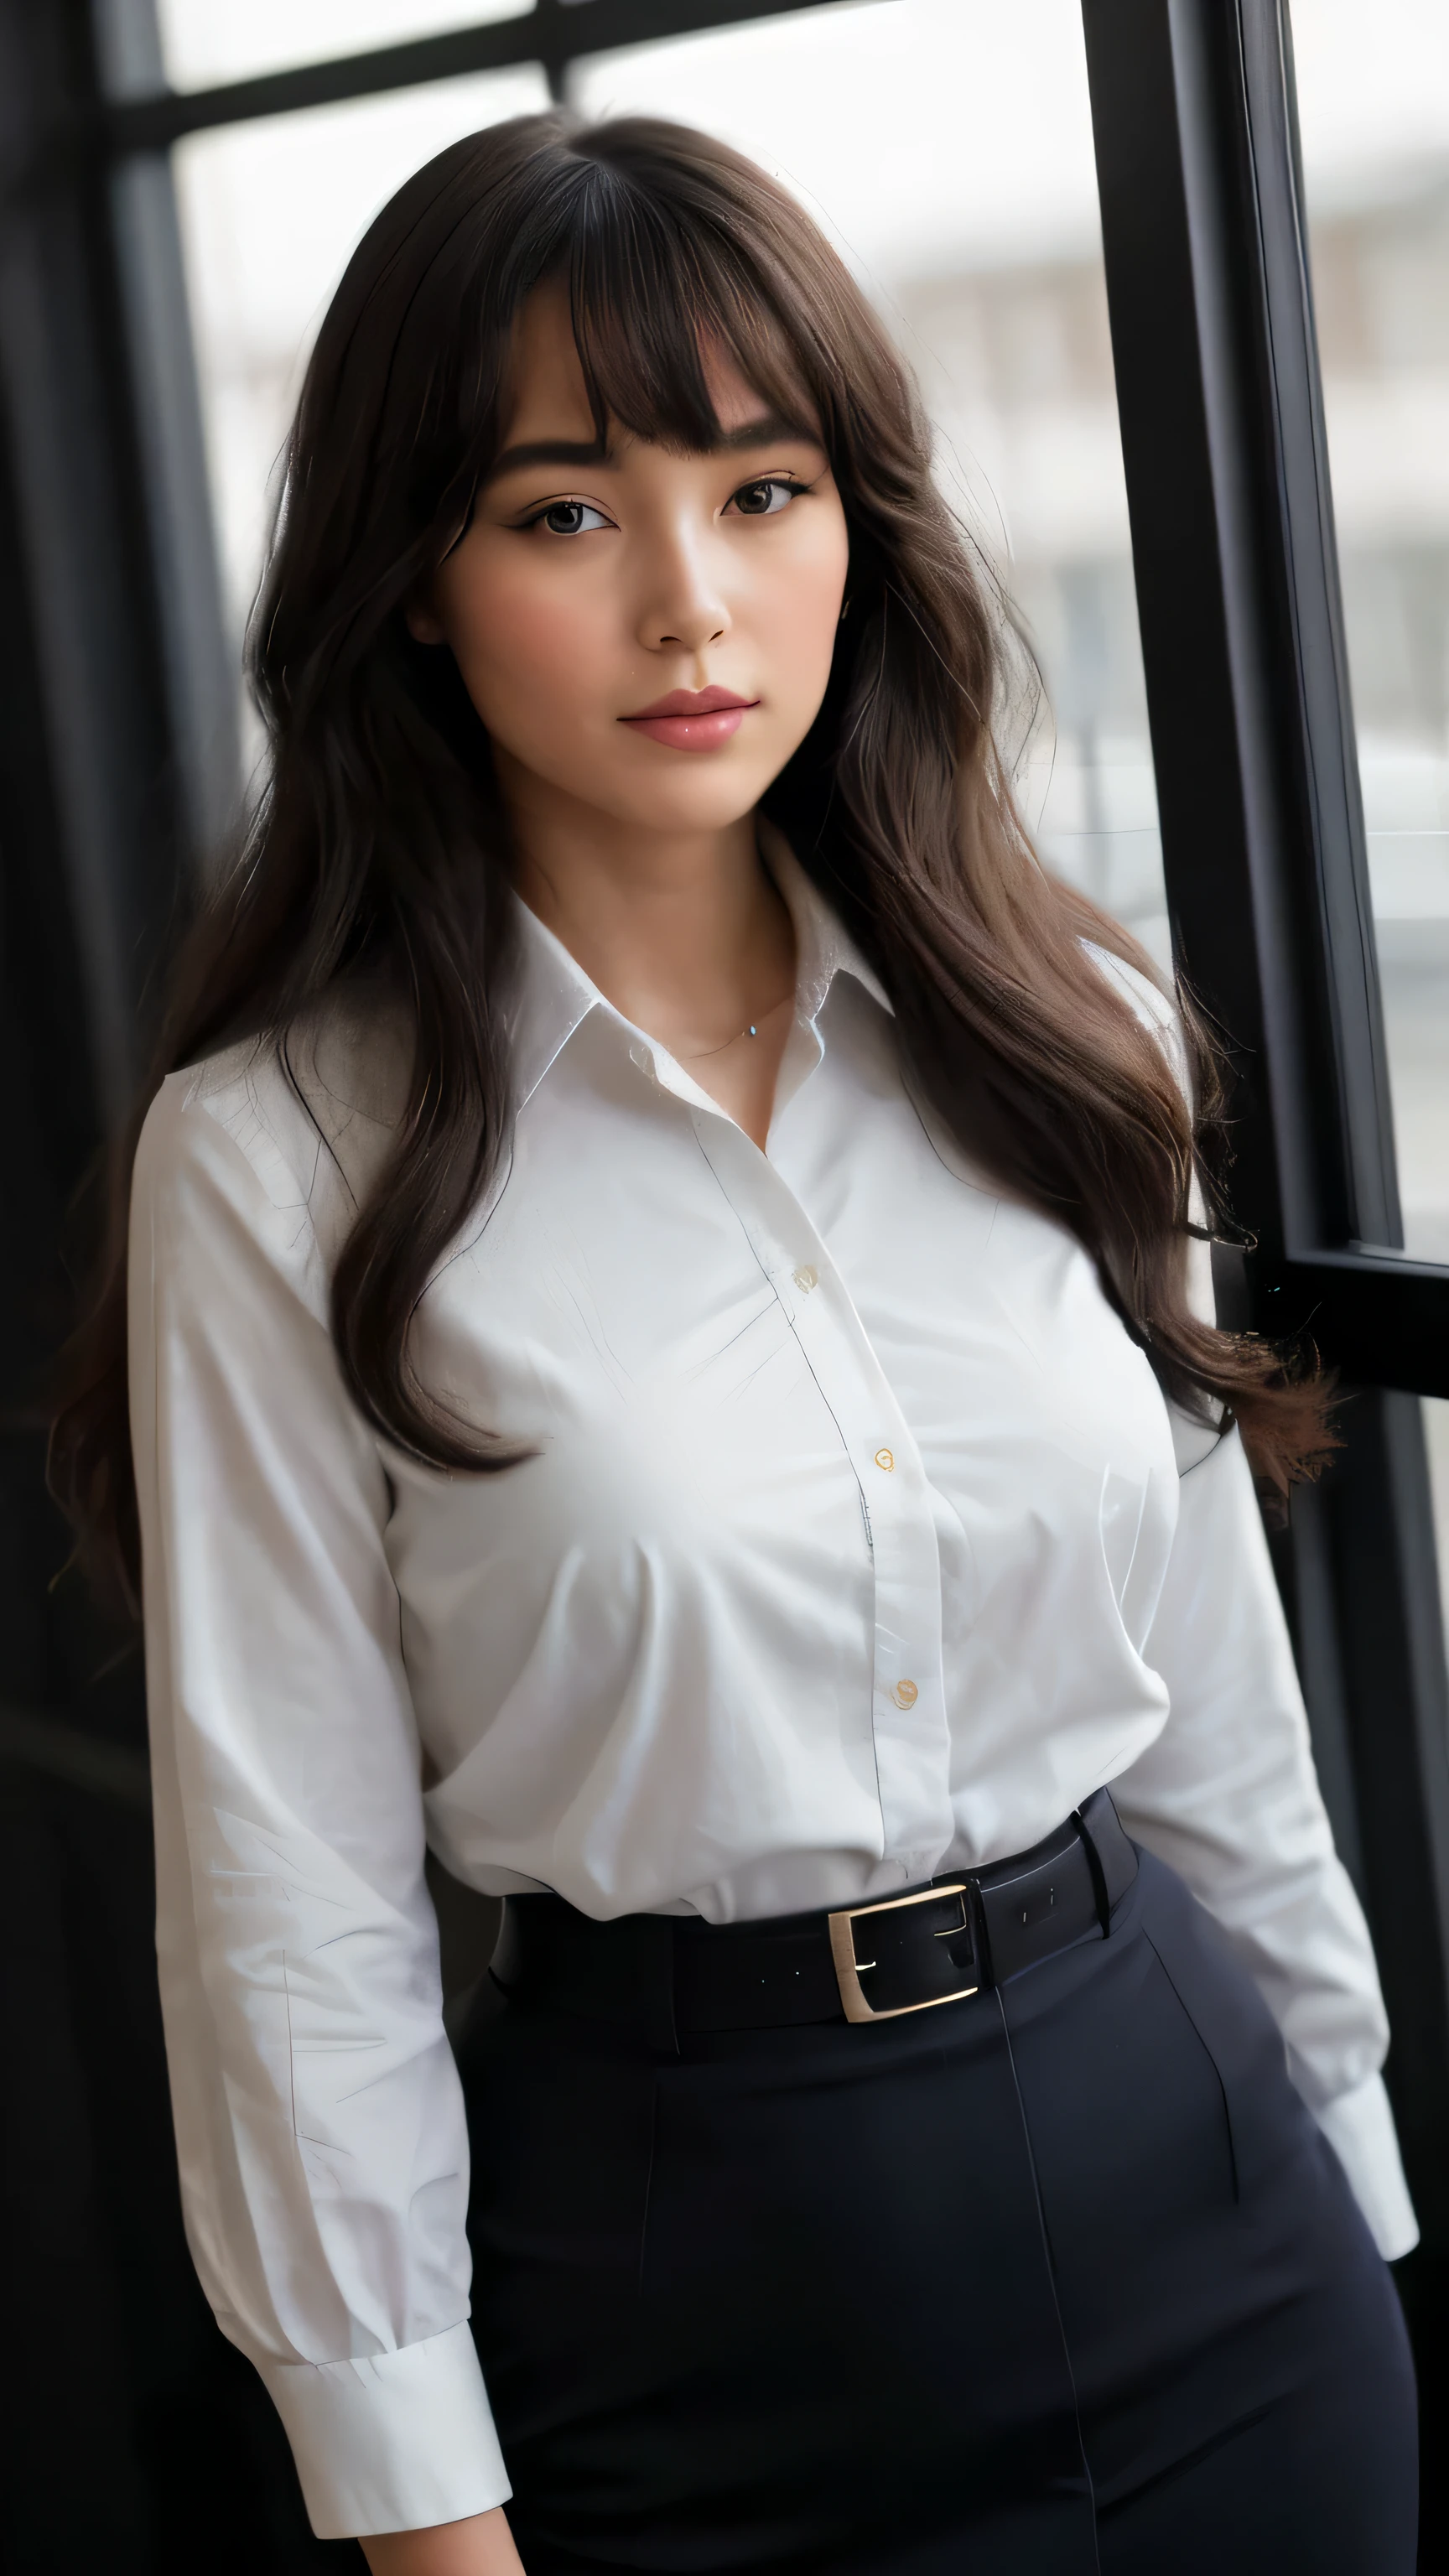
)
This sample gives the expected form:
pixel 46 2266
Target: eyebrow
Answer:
pixel 590 451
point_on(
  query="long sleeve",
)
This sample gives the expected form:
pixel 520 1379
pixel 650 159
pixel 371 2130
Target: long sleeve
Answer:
pixel 1228 1795
pixel 319 2118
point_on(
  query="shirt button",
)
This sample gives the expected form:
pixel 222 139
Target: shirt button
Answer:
pixel 885 1458
pixel 807 1277
pixel 905 1694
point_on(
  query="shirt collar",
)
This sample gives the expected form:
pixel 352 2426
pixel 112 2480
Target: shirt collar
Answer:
pixel 824 947
pixel 555 995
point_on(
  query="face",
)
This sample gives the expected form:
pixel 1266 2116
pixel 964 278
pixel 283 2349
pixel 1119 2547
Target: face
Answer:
pixel 644 634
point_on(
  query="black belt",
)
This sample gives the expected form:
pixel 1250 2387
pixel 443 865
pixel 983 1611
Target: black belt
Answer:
pixel 663 1974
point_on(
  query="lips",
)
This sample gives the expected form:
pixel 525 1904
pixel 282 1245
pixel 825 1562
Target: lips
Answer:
pixel 692 719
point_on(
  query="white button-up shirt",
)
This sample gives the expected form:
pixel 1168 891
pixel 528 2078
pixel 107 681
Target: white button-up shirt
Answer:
pixel 857 1542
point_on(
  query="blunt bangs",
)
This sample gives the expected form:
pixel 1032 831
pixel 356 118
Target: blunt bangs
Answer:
pixel 674 254
pixel 653 298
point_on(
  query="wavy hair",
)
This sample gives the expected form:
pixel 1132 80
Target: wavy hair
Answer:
pixel 379 848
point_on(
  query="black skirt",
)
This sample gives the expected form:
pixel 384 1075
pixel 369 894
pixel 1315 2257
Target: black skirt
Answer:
pixel 1061 2280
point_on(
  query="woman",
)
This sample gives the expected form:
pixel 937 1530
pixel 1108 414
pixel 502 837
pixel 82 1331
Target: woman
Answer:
pixel 667 1365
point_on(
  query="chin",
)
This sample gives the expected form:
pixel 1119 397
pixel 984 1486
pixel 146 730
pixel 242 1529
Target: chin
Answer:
pixel 708 797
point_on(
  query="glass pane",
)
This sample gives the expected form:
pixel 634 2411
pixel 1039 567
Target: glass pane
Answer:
pixel 972 219
pixel 270 212
pixel 1375 124
pixel 206 41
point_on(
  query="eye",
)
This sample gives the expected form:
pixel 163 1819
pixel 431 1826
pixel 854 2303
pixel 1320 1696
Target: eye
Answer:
pixel 765 499
pixel 569 519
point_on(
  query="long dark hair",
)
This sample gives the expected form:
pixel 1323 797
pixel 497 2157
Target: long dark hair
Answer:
pixel 380 846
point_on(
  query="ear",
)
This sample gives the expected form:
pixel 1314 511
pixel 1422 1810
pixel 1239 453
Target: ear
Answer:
pixel 423 623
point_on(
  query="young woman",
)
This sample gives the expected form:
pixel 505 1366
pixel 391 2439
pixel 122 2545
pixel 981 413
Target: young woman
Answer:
pixel 669 1364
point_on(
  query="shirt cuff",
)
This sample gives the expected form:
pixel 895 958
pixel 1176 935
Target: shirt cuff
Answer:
pixel 394 2443
pixel 1359 2126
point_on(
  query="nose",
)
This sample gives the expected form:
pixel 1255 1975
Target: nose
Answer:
pixel 684 603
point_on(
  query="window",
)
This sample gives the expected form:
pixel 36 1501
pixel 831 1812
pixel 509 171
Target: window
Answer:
pixel 1375 126
pixel 1375 129
pixel 207 41
pixel 1269 890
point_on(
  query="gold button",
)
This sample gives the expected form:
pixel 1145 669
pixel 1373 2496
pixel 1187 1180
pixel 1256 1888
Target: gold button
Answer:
pixel 905 1694
pixel 806 1277
pixel 885 1458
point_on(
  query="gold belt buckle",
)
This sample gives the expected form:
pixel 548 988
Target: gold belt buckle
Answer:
pixel 849 1969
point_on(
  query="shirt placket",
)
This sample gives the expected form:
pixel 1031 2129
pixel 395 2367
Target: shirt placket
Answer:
pixel 908 1703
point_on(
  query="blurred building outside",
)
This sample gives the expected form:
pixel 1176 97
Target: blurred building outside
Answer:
pixel 977 236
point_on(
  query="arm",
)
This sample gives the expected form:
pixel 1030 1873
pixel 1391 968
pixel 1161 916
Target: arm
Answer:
pixel 1228 1793
pixel 320 2130
pixel 1229 1796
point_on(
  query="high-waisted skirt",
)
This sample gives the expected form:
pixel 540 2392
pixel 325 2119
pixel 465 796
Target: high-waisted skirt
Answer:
pixel 1060 2280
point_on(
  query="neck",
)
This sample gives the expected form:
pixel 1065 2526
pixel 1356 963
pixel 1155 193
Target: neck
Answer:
pixel 683 930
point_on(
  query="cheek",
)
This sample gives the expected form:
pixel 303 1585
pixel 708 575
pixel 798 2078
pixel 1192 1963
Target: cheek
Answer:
pixel 528 652
pixel 797 611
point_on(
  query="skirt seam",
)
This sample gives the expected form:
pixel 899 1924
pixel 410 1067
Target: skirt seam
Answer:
pixel 1046 2247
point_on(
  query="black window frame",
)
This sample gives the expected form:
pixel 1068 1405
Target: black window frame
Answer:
pixel 1220 400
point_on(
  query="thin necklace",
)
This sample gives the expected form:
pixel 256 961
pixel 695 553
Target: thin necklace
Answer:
pixel 751 1029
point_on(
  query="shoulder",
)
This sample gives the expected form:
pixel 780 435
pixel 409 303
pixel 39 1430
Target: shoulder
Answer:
pixel 288 1133
pixel 1159 1013
pixel 1156 1009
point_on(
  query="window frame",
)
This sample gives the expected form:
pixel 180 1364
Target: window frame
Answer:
pixel 1230 504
